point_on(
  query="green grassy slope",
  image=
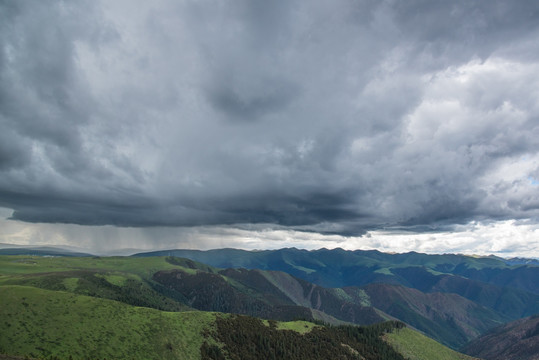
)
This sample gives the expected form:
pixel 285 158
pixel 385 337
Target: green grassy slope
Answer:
pixel 41 323
pixel 415 346
pixel 142 267
pixel 117 278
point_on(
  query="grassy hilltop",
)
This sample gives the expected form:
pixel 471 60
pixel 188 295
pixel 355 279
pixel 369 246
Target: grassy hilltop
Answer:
pixel 40 323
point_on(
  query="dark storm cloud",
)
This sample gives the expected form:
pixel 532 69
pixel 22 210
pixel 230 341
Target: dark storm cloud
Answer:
pixel 274 99
pixel 449 31
pixel 334 117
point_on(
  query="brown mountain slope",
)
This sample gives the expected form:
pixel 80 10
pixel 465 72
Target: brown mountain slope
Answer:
pixel 516 340
pixel 272 295
pixel 448 318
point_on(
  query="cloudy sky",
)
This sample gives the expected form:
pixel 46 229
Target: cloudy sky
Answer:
pixel 397 125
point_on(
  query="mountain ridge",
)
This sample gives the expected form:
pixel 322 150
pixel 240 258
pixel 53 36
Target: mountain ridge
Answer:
pixel 478 279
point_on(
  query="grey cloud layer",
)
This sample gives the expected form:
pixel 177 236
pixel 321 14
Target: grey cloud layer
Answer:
pixel 334 116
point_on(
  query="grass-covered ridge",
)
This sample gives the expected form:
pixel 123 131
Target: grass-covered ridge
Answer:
pixel 114 278
pixel 142 267
pixel 415 346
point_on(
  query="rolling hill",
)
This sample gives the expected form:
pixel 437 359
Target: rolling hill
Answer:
pixel 175 284
pixel 416 346
pixel 77 318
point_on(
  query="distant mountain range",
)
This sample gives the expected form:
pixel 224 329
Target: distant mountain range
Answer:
pixel 9 249
pixel 338 267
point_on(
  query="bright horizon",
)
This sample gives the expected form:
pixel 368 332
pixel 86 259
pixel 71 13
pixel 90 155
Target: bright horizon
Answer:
pixel 487 239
